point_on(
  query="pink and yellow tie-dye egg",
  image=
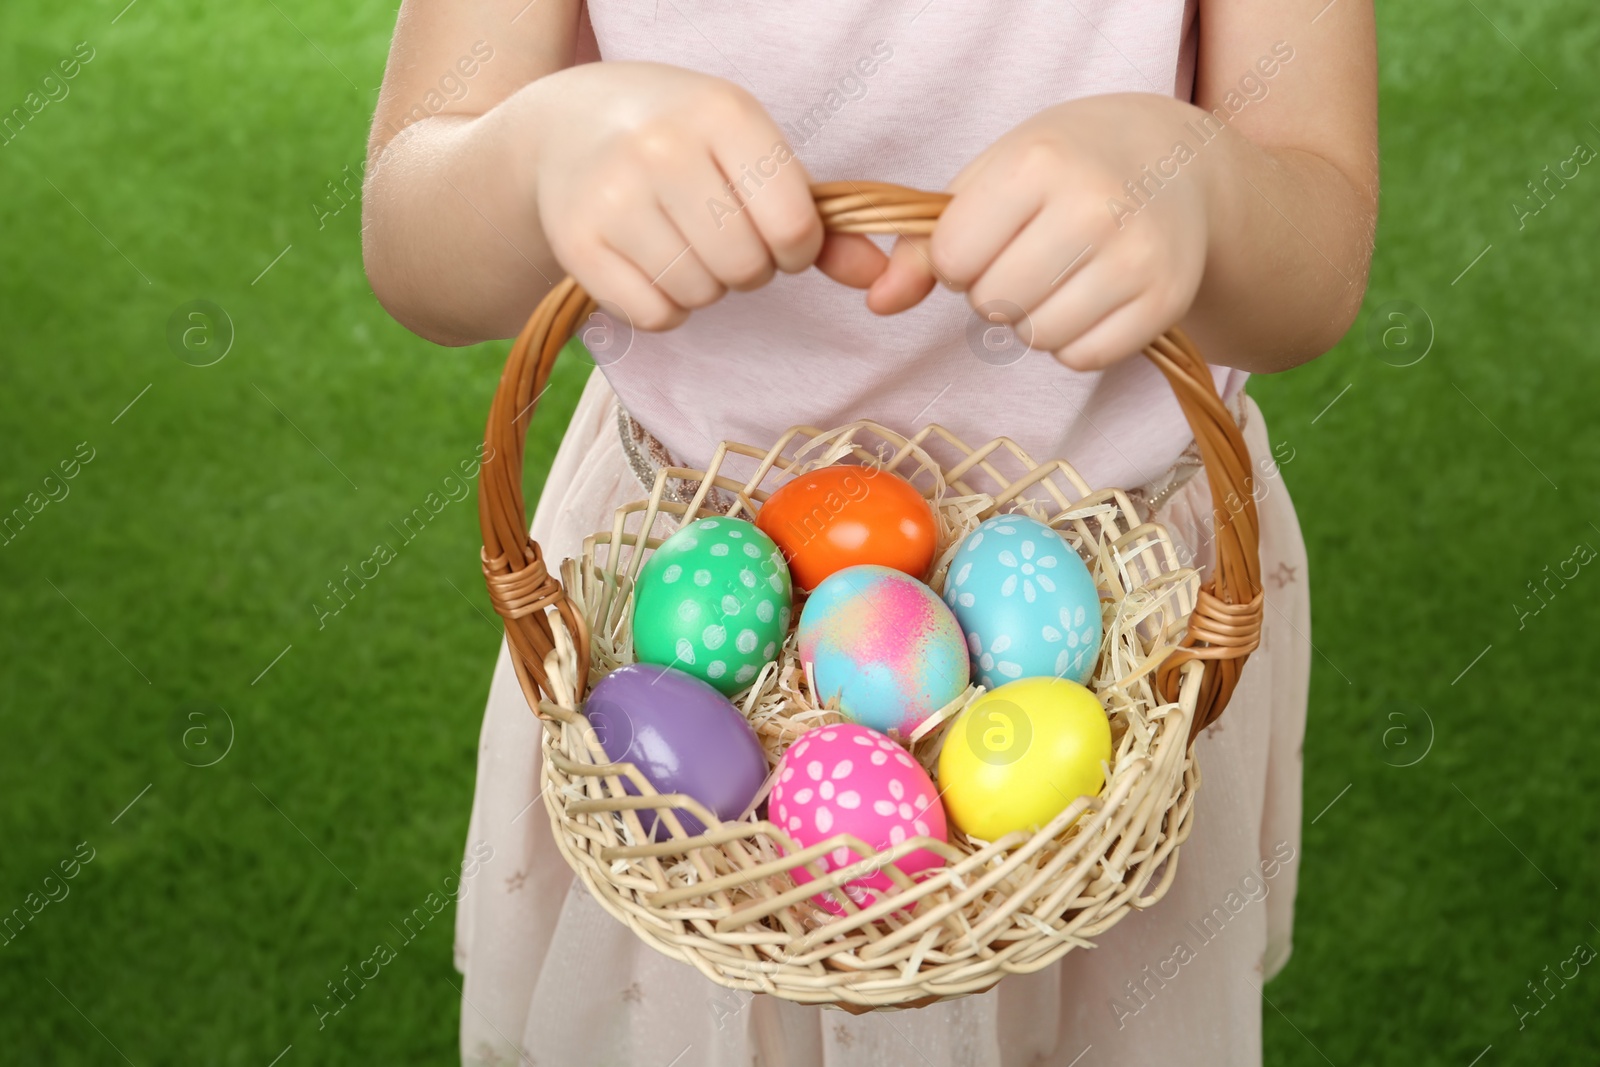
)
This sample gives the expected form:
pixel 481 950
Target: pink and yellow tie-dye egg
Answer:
pixel 849 779
pixel 882 648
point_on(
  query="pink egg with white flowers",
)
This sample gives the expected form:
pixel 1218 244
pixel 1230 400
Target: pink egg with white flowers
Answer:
pixel 851 779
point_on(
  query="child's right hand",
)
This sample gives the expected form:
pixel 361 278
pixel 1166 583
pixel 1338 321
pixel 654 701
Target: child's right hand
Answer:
pixel 631 168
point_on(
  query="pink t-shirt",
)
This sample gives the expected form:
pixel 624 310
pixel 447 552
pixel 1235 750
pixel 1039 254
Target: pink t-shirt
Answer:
pixel 905 92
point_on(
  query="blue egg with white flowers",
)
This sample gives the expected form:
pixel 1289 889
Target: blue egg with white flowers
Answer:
pixel 1026 603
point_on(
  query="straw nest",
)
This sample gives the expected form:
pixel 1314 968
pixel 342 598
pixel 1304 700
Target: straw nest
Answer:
pixel 724 901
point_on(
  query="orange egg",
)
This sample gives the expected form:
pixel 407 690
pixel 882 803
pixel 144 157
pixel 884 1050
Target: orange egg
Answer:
pixel 845 516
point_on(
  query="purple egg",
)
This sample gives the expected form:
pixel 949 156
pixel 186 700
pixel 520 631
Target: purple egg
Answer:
pixel 683 735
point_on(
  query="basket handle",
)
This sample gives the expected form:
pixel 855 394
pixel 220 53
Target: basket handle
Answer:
pixel 1223 630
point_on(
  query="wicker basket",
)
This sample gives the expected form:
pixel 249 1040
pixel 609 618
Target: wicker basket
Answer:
pixel 724 901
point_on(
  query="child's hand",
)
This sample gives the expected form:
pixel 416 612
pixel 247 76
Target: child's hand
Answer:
pixel 1031 236
pixel 632 173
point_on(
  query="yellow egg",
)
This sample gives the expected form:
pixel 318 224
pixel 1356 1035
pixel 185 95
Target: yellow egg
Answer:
pixel 1019 754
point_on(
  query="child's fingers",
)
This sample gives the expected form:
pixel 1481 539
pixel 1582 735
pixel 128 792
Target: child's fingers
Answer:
pixel 1046 254
pixel 978 223
pixel 850 259
pixel 653 244
pixel 1122 332
pixel 1095 290
pixel 775 192
pixel 908 278
pixel 617 282
pixel 716 226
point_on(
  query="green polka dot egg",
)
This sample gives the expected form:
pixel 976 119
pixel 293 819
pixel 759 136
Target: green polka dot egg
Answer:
pixel 713 601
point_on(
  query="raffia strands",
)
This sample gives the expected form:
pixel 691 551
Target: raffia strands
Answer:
pixel 725 901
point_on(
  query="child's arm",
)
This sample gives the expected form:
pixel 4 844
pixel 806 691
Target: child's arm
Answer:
pixel 1256 238
pixel 609 168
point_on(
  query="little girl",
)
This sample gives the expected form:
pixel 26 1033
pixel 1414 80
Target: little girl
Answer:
pixel 1118 167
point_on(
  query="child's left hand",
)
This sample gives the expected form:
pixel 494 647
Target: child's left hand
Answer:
pixel 1031 235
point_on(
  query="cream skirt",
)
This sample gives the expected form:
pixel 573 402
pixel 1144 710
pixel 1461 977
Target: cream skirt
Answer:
pixel 552 980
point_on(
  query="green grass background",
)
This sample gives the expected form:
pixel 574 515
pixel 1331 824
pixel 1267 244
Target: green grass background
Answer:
pixel 185 560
